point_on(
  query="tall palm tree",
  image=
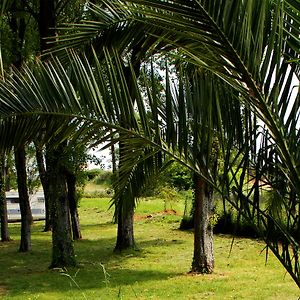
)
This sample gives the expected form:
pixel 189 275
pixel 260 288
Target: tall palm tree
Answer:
pixel 113 27
pixel 217 39
pixel 254 47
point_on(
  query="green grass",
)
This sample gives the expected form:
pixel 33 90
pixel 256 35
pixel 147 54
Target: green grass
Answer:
pixel 157 269
pixel 92 190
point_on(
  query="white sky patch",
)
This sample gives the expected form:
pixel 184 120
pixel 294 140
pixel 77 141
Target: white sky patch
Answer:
pixel 104 155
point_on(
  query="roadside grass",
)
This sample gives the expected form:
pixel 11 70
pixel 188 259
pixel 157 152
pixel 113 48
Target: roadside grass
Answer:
pixel 157 269
pixel 93 190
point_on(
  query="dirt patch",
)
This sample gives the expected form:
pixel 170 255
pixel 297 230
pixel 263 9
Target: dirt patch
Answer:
pixel 167 212
pixel 3 290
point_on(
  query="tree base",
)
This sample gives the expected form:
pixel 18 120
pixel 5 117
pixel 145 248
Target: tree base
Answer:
pixel 202 270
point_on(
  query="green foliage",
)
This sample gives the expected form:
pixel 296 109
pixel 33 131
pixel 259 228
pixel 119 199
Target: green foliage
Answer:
pixel 229 223
pixel 33 179
pixel 178 176
pixel 175 177
pixel 99 177
pixel 169 196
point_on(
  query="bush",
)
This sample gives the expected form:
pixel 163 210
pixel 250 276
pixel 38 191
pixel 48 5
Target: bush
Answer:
pixel 107 193
pixel 99 176
pixel 228 223
pixel 179 177
pixel 223 222
pixel 169 196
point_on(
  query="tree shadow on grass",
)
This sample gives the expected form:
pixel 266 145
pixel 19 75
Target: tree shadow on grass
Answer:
pixel 158 242
pixel 98 267
pixel 28 272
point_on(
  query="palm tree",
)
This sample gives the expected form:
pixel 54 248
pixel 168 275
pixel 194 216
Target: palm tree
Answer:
pixel 253 46
pixel 109 29
pixel 217 39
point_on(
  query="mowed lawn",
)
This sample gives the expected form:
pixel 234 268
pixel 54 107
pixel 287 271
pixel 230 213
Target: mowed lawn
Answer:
pixel 157 269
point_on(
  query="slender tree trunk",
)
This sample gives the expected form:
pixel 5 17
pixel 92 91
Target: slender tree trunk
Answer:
pixel 113 158
pixel 8 167
pixel 125 233
pixel 71 183
pixel 47 22
pixel 44 180
pixel 203 260
pixel 18 27
pixel 125 237
pixel 3 206
pixel 62 244
pixel 26 217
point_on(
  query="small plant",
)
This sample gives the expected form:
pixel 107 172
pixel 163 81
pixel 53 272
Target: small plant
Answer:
pixel 64 272
pixel 106 275
pixel 169 196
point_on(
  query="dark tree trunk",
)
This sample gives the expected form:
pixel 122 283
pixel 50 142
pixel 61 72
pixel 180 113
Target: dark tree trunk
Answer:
pixel 125 237
pixel 26 217
pixel 44 180
pixel 62 244
pixel 47 22
pixel 3 207
pixel 8 167
pixel 203 260
pixel 18 27
pixel 72 196
pixel 125 233
pixel 113 158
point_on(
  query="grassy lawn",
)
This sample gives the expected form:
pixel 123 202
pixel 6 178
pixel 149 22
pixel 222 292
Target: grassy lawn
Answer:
pixel 157 269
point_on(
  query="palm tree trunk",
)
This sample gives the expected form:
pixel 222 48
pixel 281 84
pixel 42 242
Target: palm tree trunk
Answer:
pixel 44 180
pixel 62 244
pixel 8 168
pixel 3 206
pixel 113 158
pixel 125 233
pixel 26 217
pixel 125 237
pixel 71 183
pixel 46 22
pixel 203 260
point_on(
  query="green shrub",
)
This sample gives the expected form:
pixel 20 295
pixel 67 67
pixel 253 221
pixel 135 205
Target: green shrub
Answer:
pixel 99 176
pixel 106 193
pixel 169 195
pixel 229 223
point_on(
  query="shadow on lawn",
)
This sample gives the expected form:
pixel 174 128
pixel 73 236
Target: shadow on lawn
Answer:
pixel 157 243
pixel 28 272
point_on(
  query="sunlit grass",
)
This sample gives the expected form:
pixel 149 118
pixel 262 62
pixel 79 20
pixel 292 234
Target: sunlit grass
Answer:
pixel 157 269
